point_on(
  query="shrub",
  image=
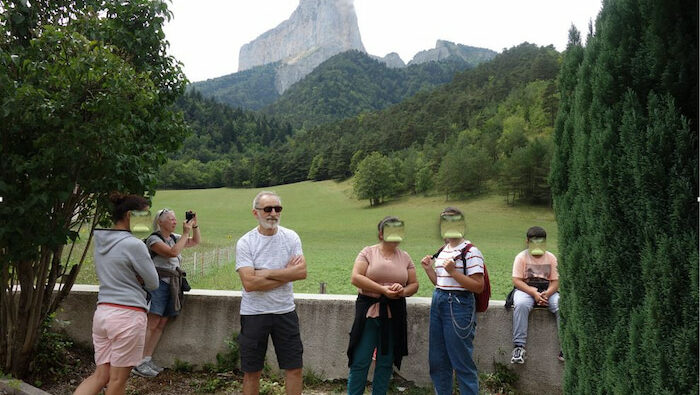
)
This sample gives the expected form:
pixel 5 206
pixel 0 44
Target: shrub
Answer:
pixel 228 361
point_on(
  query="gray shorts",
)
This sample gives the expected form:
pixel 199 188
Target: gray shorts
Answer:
pixel 284 329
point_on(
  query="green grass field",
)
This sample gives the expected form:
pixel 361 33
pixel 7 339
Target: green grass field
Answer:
pixel 334 227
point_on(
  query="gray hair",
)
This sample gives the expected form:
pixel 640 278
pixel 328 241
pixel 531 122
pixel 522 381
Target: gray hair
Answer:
pixel 260 194
pixel 156 219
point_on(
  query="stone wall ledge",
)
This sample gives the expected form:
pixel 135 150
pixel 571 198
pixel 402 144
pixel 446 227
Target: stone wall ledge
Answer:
pixel 209 317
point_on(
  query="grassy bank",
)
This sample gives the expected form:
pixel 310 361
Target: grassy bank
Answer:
pixel 334 227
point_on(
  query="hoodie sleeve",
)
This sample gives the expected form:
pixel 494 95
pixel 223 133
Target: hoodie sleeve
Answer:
pixel 144 266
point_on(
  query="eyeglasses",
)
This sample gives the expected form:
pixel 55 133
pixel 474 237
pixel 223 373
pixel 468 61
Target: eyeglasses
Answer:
pixel 269 209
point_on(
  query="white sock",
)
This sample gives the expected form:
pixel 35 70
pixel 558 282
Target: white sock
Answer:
pixel 145 359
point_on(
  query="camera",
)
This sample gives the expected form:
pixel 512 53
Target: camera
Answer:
pixel 189 215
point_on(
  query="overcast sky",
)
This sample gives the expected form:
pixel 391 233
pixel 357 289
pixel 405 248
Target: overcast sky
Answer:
pixel 206 35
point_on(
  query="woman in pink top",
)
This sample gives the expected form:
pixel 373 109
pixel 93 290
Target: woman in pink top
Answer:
pixel 384 276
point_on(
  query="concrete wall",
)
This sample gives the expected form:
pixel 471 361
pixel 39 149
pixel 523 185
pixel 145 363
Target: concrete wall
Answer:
pixel 210 317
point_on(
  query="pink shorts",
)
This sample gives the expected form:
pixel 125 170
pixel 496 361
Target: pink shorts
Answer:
pixel 118 335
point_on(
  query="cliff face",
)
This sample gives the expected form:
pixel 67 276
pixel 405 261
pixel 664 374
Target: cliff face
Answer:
pixel 445 49
pixel 316 30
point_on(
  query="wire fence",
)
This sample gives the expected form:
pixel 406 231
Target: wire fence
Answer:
pixel 199 264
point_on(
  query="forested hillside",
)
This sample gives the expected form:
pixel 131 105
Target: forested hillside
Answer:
pixel 343 86
pixel 489 128
pixel 251 89
pixel 352 82
pixel 221 136
pixel 491 123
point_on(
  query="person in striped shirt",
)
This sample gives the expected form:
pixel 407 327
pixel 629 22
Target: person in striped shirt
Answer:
pixel 453 310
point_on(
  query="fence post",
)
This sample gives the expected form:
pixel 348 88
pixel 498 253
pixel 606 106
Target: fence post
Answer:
pixel 194 264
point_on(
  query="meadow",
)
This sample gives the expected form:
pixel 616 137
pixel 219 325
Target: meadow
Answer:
pixel 334 227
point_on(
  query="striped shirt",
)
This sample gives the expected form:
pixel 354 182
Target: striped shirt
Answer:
pixel 475 264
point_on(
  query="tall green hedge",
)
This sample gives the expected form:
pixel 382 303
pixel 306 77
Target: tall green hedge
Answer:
pixel 625 184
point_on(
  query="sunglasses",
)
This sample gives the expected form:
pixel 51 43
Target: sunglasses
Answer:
pixel 269 209
pixel 162 212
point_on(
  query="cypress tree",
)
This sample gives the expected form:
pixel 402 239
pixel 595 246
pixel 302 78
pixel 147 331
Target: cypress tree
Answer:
pixel 624 180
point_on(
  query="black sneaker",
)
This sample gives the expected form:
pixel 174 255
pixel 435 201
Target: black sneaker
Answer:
pixel 518 355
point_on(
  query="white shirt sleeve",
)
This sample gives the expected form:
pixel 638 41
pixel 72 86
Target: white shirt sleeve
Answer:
pixel 244 257
pixel 475 261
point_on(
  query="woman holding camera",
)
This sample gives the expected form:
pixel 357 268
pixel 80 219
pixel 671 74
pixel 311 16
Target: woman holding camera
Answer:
pixel 165 247
pixel 385 276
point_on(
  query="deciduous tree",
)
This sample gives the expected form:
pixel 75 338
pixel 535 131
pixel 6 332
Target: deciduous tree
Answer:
pixel 375 179
pixel 85 94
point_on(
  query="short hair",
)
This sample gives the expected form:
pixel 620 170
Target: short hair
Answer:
pixel 260 194
pixel 536 231
pixel 123 203
pixel 156 218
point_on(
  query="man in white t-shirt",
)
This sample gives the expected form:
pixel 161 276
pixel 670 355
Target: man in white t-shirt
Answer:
pixel 268 259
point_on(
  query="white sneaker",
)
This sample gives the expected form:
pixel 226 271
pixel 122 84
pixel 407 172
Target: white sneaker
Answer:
pixel 144 370
pixel 155 367
pixel 518 355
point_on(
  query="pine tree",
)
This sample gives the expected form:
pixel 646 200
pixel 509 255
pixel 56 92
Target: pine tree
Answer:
pixel 624 178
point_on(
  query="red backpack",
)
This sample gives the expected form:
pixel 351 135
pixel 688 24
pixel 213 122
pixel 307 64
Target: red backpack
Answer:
pixel 481 299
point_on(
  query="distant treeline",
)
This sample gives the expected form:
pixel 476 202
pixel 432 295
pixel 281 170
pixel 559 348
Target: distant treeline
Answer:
pixel 491 127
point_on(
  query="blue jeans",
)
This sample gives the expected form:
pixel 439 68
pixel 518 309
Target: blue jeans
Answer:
pixel 452 329
pixel 362 359
pixel 161 302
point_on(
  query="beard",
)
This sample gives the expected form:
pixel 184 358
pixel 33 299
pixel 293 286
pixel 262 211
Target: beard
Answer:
pixel 271 223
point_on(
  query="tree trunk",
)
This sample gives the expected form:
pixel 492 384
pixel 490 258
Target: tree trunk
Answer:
pixel 27 299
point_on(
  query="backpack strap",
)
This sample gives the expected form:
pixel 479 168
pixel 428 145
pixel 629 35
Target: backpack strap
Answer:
pixel 435 255
pixel 160 236
pixel 464 256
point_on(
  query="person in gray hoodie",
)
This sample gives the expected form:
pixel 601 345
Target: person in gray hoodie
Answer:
pixel 125 272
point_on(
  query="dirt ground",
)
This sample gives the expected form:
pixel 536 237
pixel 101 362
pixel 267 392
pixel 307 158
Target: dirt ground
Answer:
pixel 80 365
pixel 168 382
pixel 171 382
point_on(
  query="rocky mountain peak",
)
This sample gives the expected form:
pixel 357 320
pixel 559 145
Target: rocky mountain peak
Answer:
pixel 316 30
pixel 392 60
pixel 445 49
